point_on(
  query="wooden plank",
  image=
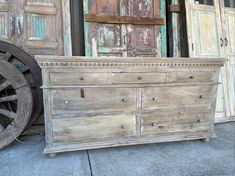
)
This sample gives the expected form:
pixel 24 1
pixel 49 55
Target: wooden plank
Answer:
pixel 45 10
pixel 110 19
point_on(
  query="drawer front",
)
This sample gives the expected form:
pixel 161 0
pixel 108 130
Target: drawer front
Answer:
pixel 183 77
pixel 93 100
pixel 176 97
pixel 75 78
pixel 170 122
pixel 93 128
pixel 135 78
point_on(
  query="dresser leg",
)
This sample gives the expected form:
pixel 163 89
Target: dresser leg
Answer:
pixel 51 155
pixel 205 140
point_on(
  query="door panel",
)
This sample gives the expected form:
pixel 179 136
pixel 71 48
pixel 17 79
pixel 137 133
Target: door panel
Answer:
pixel 43 27
pixel 205 39
pixel 104 39
pixel 4 19
pixel 123 39
pixel 228 18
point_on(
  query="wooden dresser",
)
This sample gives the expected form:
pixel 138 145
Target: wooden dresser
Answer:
pixel 104 102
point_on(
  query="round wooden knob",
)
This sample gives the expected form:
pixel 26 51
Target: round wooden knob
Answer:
pixel 200 96
pixel 123 127
pixel 139 78
pixel 191 77
pixel 198 121
pixel 81 78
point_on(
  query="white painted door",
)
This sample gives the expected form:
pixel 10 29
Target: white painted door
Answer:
pixel 228 23
pixel 206 39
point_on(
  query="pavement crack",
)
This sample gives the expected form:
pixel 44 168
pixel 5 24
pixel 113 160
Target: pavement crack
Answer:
pixel 89 162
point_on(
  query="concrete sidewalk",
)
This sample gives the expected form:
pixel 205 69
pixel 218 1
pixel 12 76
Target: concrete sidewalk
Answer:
pixel 190 158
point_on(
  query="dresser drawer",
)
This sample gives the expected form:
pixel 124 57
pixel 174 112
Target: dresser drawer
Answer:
pixel 124 78
pixel 77 78
pixel 176 97
pixel 93 128
pixel 177 121
pixel 188 76
pixel 72 100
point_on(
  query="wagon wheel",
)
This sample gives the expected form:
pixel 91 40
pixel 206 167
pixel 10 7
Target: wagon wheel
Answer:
pixel 30 69
pixel 15 103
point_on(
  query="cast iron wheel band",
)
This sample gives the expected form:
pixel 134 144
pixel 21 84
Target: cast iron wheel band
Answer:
pixel 31 71
pixel 16 103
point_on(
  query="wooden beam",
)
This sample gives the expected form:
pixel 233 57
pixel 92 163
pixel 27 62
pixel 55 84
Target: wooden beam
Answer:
pixel 110 19
pixel 175 8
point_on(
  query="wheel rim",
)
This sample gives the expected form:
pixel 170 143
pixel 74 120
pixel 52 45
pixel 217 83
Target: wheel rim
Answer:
pixel 31 71
pixel 13 82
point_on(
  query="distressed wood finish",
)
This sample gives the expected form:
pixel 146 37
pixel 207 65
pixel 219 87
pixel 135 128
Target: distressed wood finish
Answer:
pixel 135 28
pixel 38 26
pixel 104 102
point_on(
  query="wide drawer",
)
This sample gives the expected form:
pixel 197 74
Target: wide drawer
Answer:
pixel 72 100
pixel 176 121
pixel 176 97
pixel 93 128
pixel 135 78
pixel 78 78
pixel 190 76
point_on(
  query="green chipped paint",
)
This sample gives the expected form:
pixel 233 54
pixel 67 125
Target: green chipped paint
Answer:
pixel 39 27
pixel 86 29
pixel 163 30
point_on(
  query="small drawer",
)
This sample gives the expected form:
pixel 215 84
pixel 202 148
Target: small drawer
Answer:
pixel 182 77
pixel 135 78
pixel 176 121
pixel 76 78
pixel 93 128
pixel 74 100
pixel 176 97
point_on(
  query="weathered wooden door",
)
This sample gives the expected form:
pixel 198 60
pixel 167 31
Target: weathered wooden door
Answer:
pixel 34 25
pixel 228 23
pixel 206 38
pixel 104 39
pixel 5 20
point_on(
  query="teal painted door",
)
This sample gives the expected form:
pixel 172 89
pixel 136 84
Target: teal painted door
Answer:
pixel 125 39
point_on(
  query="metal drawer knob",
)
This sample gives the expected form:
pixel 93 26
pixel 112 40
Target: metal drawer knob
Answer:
pixel 67 131
pixel 191 77
pixel 139 78
pixel 124 100
pixel 66 102
pixel 81 78
pixel 123 127
pixel 200 96
pixel 154 124
pixel 154 99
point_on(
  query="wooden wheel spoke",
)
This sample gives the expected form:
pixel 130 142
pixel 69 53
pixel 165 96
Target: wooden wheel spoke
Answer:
pixel 4 85
pixel 7 56
pixel 1 128
pixel 8 114
pixel 8 98
pixel 25 69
